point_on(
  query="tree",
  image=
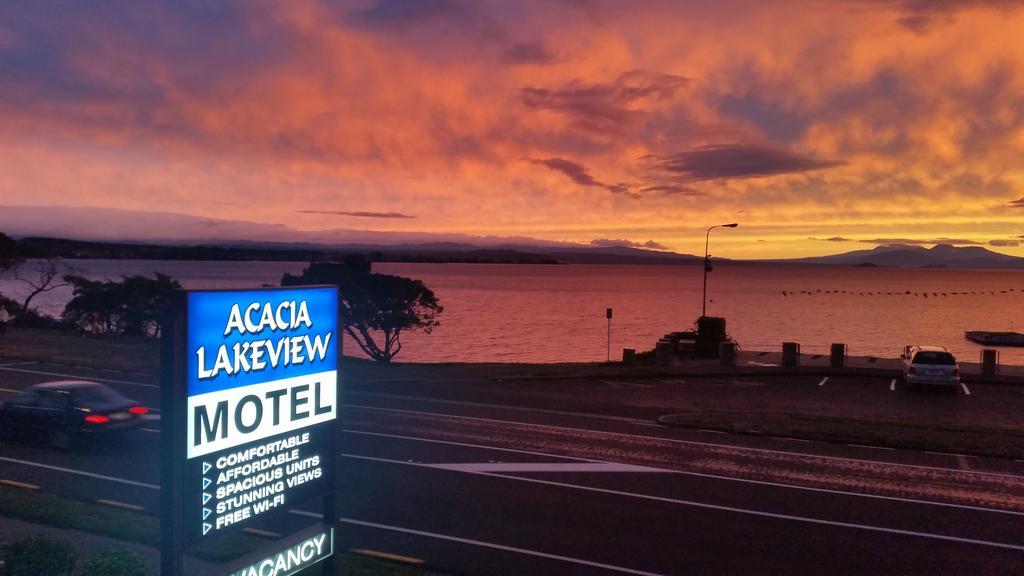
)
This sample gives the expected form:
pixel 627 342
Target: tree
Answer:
pixel 132 306
pixel 374 304
pixel 41 276
pixel 8 251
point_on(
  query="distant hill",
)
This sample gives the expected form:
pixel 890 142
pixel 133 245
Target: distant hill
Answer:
pixel 904 256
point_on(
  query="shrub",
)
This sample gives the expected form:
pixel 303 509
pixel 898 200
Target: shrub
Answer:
pixel 35 555
pixel 114 563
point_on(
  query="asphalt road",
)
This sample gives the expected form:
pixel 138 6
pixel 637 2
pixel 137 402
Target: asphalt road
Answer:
pixel 473 487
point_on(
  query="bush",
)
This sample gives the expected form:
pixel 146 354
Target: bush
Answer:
pixel 114 563
pixel 35 555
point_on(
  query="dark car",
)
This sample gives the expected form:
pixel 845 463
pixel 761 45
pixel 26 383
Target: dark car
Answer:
pixel 62 412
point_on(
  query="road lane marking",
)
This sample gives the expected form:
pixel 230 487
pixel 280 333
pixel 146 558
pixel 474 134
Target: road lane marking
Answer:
pixel 823 380
pixel 80 473
pixel 117 504
pixel 157 430
pixel 869 446
pixel 721 508
pixel 509 467
pixel 493 546
pixel 713 477
pixel 16 364
pixel 689 442
pixel 467 445
pixel 512 408
pixel 892 385
pixel 17 484
pixel 710 431
pixel 8 390
pixel 388 556
pixel 967 390
pixel 78 377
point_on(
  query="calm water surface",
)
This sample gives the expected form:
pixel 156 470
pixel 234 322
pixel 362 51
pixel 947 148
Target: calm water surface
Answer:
pixel 538 313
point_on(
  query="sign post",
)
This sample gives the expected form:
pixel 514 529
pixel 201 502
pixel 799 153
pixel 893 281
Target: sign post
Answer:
pixel 608 314
pixel 250 395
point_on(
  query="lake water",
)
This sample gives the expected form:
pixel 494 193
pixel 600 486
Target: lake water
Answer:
pixel 541 313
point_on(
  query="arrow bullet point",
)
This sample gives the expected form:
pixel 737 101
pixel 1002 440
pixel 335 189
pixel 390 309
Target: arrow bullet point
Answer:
pixel 206 482
pixel 206 513
pixel 206 528
pixel 206 467
pixel 206 497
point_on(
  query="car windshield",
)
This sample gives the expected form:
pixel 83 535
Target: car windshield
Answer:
pixel 943 358
pixel 96 395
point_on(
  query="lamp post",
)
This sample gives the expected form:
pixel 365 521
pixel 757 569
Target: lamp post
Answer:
pixel 707 264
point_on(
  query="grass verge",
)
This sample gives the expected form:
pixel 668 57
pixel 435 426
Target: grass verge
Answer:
pixel 957 440
pixel 128 526
pixel 130 354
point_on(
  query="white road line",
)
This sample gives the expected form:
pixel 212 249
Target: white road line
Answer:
pixel 157 430
pixel 892 385
pixel 8 390
pixel 689 442
pixel 967 390
pixel 78 377
pixel 869 446
pixel 734 509
pixel 501 406
pixel 509 467
pixel 710 431
pixel 711 476
pixel 16 364
pixel 80 473
pixel 823 380
pixel 790 439
pixel 493 546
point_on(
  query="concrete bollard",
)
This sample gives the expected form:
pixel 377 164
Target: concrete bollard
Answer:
pixel 838 356
pixel 790 354
pixel 989 362
pixel 727 353
pixel 663 352
pixel 629 356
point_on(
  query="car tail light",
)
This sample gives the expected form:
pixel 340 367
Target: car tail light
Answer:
pixel 97 419
pixel 139 410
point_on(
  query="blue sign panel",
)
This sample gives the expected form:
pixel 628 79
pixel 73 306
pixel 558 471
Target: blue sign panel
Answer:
pixel 241 338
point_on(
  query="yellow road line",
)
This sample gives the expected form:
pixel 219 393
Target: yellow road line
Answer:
pixel 388 556
pixel 263 533
pixel 17 484
pixel 124 505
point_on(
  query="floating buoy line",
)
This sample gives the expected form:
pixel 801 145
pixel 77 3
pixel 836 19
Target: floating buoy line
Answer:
pixel 921 294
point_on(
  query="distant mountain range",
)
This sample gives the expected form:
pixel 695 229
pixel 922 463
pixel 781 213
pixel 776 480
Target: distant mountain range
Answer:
pixel 900 255
pixel 112 233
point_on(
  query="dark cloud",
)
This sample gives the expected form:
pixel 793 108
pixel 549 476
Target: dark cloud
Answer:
pixel 726 161
pixel 579 174
pixel 833 239
pixel 528 53
pixel 357 214
pixel 672 189
pixel 607 107
pixel 609 243
pixel 1004 243
pixel 920 15
pixel 1018 203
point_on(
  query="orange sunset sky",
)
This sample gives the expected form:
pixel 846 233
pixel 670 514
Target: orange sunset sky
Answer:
pixel 821 126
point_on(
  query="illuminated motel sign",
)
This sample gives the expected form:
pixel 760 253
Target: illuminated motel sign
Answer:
pixel 250 405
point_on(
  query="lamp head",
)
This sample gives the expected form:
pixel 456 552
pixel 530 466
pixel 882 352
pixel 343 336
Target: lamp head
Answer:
pixel 733 225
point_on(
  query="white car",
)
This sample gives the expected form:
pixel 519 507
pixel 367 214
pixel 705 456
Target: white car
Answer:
pixel 930 365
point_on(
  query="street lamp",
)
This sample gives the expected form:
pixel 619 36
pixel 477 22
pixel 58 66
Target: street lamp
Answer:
pixel 707 264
